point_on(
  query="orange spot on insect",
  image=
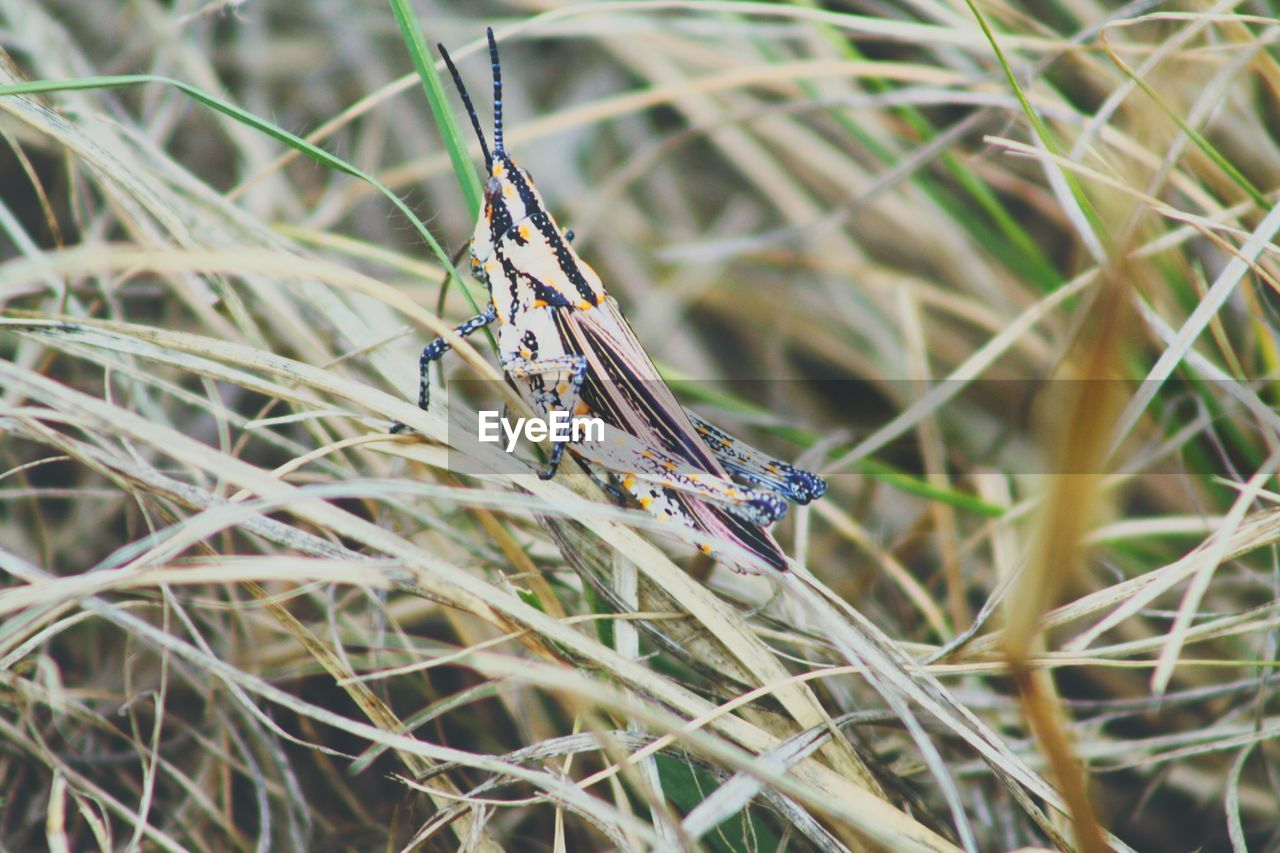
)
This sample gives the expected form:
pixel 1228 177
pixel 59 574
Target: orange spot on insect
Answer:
pixel 585 305
pixel 508 191
pixel 733 493
pixel 539 303
pixel 773 469
pixel 498 169
pixel 581 408
pixel 599 298
pixel 648 454
pixel 704 548
pixel 628 482
pixel 524 232
pixel 645 502
pixel 694 478
pixel 562 388
pixel 669 465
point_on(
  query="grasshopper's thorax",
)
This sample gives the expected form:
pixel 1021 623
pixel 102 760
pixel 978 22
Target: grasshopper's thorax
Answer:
pixel 518 251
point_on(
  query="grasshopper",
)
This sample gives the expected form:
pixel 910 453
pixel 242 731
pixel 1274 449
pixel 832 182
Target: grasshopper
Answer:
pixel 564 345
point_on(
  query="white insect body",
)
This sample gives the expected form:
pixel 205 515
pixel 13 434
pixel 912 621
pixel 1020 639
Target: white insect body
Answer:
pixel 565 346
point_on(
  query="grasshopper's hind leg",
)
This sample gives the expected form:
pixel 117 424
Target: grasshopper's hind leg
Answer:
pixel 676 510
pixel 659 502
pixel 756 467
pixel 641 467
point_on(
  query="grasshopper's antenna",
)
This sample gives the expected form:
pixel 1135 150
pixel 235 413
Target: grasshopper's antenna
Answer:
pixel 497 95
pixel 471 110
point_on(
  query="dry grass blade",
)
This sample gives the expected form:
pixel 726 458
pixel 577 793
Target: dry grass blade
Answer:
pixel 236 613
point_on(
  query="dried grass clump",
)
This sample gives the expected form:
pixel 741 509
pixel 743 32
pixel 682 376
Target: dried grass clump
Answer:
pixel 1002 273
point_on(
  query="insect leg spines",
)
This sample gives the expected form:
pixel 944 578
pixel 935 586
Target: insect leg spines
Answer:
pixel 754 466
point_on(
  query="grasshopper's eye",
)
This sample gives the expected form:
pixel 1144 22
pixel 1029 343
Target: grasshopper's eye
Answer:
pixel 493 190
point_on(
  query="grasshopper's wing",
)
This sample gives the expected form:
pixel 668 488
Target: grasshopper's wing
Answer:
pixel 624 389
pixel 649 404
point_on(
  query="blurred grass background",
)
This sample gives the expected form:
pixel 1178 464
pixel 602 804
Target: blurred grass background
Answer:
pixel 1009 287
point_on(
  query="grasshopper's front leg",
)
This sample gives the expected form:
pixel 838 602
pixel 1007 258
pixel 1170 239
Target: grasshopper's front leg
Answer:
pixel 561 395
pixel 745 462
pixel 434 350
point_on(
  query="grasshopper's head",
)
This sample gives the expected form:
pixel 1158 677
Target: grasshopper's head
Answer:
pixel 538 264
pixel 512 207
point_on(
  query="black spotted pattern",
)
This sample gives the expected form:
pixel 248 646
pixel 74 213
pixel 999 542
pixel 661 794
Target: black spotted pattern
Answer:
pixel 542 221
pixel 530 342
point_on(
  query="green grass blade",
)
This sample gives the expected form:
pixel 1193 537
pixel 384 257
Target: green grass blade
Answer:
pixel 245 117
pixel 454 141
pixel 297 143
pixel 1041 130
